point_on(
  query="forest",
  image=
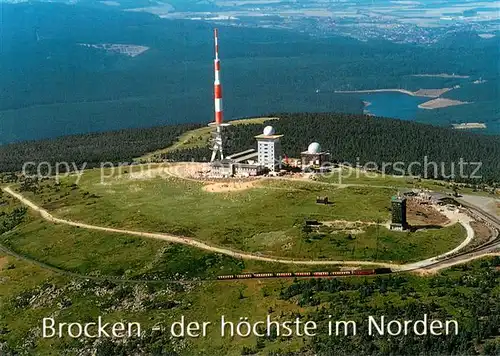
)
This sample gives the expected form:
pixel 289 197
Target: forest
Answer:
pixel 56 87
pixel 361 139
pixel 92 148
pixel 468 294
pixel 353 139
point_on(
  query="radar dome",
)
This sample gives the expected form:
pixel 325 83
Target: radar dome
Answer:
pixel 314 148
pixel 269 130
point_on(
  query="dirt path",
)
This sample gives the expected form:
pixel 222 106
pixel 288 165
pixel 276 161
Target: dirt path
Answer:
pixel 185 240
pixel 236 254
pixel 229 187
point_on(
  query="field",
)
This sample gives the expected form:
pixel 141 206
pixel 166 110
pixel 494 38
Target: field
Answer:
pixel 351 176
pixel 354 177
pixel 73 251
pixel 268 219
pixel 30 293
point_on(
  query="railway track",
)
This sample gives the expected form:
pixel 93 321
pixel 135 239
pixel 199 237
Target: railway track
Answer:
pixel 491 247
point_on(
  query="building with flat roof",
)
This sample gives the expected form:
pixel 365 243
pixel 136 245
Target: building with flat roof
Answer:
pixel 250 162
pixel 269 149
pixel 230 168
pixel 398 221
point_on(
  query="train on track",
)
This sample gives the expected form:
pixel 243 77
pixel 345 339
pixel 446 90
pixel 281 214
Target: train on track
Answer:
pixel 357 272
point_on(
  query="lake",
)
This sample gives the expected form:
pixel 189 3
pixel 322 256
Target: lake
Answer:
pixel 405 107
pixel 52 120
pixel 393 104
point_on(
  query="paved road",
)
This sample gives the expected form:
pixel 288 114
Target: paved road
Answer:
pixel 452 216
pixel 229 252
pixel 492 248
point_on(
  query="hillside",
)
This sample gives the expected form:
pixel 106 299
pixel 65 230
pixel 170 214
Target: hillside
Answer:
pixel 63 272
pixel 90 149
pixel 361 139
pixel 350 138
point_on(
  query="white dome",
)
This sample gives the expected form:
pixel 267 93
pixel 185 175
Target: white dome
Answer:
pixel 314 148
pixel 269 130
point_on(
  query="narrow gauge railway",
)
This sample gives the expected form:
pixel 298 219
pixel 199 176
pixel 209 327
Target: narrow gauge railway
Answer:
pixel 358 272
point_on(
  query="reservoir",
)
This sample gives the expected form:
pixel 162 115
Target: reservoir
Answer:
pixel 65 118
pixel 393 104
pixel 402 106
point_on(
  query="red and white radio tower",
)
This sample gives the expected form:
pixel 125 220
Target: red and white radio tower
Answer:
pixel 218 123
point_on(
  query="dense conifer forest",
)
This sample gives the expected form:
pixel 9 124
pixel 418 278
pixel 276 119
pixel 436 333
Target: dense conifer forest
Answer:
pixel 361 139
pixel 93 148
pixel 64 88
pixel 352 139
pixel 465 293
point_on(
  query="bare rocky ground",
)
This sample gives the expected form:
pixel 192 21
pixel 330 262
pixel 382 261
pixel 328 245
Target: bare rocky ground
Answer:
pixel 489 204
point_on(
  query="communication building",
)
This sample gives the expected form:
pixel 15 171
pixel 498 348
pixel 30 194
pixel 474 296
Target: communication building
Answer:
pixel 269 149
pixel 314 156
pixel 248 163
pixel 398 221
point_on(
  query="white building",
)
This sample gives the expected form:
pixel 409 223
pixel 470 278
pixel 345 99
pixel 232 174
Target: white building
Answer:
pixel 269 149
pixel 250 162
pixel 314 156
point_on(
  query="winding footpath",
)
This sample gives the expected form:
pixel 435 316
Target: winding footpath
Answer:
pixel 186 240
pixel 249 256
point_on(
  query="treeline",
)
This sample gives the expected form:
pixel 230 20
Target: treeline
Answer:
pixel 359 139
pixel 353 139
pixel 90 149
pixel 467 294
pixel 9 220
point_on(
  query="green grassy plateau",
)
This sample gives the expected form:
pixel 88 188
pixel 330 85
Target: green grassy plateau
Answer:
pixel 268 218
pixel 76 274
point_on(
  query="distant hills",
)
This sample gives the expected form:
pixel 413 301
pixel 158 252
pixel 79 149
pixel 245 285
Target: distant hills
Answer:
pixel 54 86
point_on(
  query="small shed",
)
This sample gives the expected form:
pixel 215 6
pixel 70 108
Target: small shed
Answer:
pixel 322 200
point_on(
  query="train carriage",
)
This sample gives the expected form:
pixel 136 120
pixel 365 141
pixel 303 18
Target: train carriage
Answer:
pixel 363 272
pixel 229 276
pixel 320 274
pixel 284 274
pixel 302 274
pixel 358 272
pixel 263 275
pixel 244 276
